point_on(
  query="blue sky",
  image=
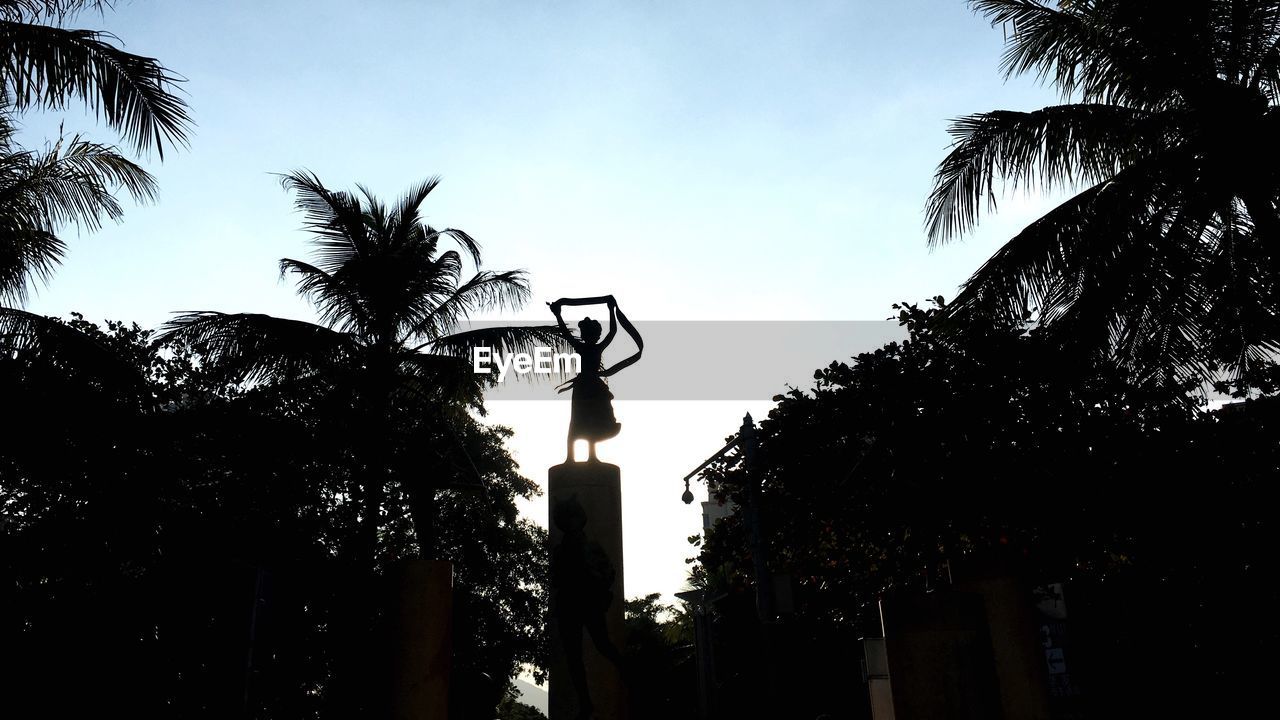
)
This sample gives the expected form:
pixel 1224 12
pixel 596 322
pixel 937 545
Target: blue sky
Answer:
pixel 699 160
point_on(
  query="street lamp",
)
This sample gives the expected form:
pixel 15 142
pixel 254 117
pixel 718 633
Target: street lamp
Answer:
pixel 745 442
pixel 687 497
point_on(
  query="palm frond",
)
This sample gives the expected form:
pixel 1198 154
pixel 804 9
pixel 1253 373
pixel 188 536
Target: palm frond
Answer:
pixel 1057 43
pixel 1051 148
pixel 335 219
pixel 340 306
pixel 72 182
pixel 464 241
pixel 1047 265
pixel 25 253
pixel 49 340
pixel 256 348
pixel 1091 49
pixel 485 291
pixel 1245 33
pixel 1243 321
pixel 440 381
pixel 408 211
pixel 1103 270
pixel 56 10
pixel 44 66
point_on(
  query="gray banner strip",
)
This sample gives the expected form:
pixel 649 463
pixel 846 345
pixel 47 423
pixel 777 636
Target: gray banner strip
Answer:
pixel 717 360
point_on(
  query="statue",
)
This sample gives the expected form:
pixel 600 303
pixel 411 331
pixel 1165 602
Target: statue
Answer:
pixel 586 622
pixel 591 410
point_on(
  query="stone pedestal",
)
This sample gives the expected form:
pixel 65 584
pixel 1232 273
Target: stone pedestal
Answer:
pixel 421 638
pixel 586 620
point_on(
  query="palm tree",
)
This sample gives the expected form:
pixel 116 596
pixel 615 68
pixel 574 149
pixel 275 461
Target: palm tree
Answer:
pixel 390 302
pixel 72 181
pixel 1166 255
pixel 44 65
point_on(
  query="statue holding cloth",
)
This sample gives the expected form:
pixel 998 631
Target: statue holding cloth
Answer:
pixel 591 411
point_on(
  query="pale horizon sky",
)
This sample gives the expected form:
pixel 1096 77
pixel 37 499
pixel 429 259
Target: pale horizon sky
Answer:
pixel 698 160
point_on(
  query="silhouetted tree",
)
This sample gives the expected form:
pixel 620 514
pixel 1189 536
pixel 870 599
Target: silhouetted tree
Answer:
pixel 662 672
pixel 391 362
pixel 148 507
pixel 930 451
pixel 512 709
pixel 391 302
pixel 1167 257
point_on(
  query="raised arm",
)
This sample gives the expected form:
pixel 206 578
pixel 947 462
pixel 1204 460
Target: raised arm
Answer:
pixel 564 329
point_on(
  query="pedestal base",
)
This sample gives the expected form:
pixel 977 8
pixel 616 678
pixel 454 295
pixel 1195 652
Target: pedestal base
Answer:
pixel 586 624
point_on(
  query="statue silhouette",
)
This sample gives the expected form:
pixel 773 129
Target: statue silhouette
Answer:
pixel 591 414
pixel 582 578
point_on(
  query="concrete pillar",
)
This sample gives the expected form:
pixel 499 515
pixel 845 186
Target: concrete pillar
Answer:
pixel 586 619
pixel 1019 658
pixel 879 689
pixel 422 640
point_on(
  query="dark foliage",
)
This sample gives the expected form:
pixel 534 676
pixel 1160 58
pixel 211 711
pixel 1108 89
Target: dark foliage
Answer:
pixel 173 546
pixel 923 453
pixel 662 674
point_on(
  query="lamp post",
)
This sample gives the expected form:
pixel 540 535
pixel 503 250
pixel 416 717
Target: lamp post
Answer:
pixel 746 443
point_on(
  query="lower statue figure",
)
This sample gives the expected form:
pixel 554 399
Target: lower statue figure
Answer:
pixel 592 412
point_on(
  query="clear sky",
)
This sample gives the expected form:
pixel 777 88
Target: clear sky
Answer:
pixel 699 160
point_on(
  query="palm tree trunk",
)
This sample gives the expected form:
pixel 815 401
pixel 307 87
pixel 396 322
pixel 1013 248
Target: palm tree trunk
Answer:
pixel 371 511
pixel 422 505
pixel 360 645
pixel 376 454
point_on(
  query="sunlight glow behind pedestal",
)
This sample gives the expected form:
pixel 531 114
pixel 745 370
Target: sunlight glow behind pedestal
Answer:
pixel 652 448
